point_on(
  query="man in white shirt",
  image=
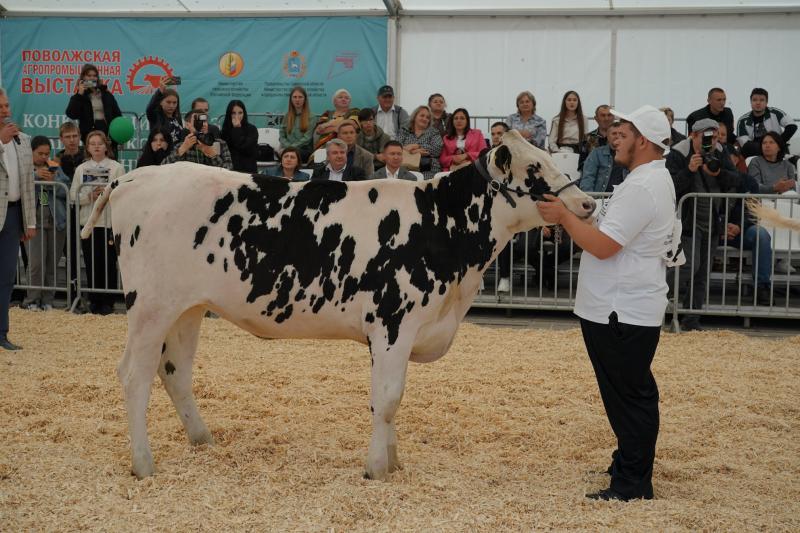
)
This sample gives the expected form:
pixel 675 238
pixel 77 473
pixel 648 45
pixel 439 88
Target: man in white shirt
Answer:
pixel 388 116
pixel 17 207
pixel 393 156
pixel 622 294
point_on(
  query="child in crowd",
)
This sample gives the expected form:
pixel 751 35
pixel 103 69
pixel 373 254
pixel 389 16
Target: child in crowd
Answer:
pixel 98 252
pixel 45 249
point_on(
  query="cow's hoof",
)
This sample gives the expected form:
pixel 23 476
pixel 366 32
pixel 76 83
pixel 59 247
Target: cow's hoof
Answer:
pixel 143 471
pixel 143 466
pixel 376 475
pixel 202 438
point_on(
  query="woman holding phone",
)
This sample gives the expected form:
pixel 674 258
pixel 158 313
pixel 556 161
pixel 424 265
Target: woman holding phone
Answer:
pixel 164 109
pixel 93 106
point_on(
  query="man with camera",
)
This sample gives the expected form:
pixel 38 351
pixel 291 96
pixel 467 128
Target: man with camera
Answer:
pixel 699 165
pixel 199 146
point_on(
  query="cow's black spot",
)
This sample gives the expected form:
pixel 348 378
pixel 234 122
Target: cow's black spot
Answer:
pixel 163 347
pixel 225 264
pixel 130 298
pixel 369 317
pixel 169 368
pixel 135 235
pixel 210 259
pixel 221 242
pixel 200 236
pixel 114 184
pixel 474 213
pixel 373 195
pixel 221 207
pixel 117 242
pixel 389 227
pixel 287 312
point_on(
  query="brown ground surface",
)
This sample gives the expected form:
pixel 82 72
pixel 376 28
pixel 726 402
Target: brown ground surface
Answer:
pixel 501 434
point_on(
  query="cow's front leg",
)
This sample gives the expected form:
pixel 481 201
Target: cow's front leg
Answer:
pixel 389 365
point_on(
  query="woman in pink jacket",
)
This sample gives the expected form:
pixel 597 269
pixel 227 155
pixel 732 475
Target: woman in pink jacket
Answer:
pixel 461 144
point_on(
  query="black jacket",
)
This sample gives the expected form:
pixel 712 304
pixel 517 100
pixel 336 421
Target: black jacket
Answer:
pixel 243 144
pixel 685 181
pixel 726 117
pixel 351 173
pixel 80 108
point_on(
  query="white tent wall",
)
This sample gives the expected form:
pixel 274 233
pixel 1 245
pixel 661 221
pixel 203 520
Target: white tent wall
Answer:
pixel 482 63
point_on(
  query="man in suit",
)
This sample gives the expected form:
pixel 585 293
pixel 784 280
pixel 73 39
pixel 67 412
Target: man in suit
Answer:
pixel 393 156
pixel 336 169
pixel 17 207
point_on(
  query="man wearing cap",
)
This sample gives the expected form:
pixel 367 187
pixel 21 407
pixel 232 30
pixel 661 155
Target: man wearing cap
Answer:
pixel 622 294
pixel 698 164
pixel 388 116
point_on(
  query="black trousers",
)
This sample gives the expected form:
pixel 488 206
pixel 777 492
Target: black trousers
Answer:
pixel 101 265
pixel 621 355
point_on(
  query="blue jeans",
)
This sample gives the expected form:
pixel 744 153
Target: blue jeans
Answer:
pixel 762 265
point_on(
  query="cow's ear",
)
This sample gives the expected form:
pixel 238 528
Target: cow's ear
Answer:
pixel 502 158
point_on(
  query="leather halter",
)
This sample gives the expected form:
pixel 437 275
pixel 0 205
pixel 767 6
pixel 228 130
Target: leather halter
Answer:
pixel 503 189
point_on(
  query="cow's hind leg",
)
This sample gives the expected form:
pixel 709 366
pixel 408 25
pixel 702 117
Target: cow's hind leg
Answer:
pixel 136 372
pixel 389 365
pixel 175 371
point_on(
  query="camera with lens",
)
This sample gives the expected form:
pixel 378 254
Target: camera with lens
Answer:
pixel 709 152
pixel 90 84
pixel 199 121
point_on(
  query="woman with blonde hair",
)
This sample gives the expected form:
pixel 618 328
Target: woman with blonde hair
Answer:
pixel 531 126
pixel 423 139
pixel 330 120
pixel 298 125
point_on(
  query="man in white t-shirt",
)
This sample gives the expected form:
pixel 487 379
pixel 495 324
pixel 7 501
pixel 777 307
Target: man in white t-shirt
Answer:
pixel 622 294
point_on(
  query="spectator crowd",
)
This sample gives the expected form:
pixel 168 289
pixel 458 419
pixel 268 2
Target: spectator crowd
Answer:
pixel 385 141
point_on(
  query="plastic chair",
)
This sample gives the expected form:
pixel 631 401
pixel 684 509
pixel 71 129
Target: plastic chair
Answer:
pixel 320 155
pixel 567 164
pixel 270 136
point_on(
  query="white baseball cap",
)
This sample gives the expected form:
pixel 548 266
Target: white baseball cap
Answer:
pixel 650 122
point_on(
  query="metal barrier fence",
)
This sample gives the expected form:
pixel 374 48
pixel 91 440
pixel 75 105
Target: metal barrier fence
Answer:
pixel 38 275
pixel 537 272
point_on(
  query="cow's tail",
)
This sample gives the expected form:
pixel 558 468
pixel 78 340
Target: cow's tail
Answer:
pixel 99 205
pixel 767 216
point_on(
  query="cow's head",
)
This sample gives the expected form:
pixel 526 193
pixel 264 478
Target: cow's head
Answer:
pixel 528 173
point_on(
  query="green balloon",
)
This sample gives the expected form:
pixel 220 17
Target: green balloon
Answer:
pixel 121 129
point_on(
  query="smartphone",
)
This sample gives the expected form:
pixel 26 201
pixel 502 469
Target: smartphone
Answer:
pixel 175 80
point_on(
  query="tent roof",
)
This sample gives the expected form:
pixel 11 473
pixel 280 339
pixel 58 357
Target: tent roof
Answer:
pixel 227 8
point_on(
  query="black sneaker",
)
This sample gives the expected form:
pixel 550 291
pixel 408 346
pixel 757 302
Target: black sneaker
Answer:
pixel 6 344
pixel 610 494
pixel 691 325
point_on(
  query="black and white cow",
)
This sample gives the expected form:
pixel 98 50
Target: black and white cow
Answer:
pixel 390 263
